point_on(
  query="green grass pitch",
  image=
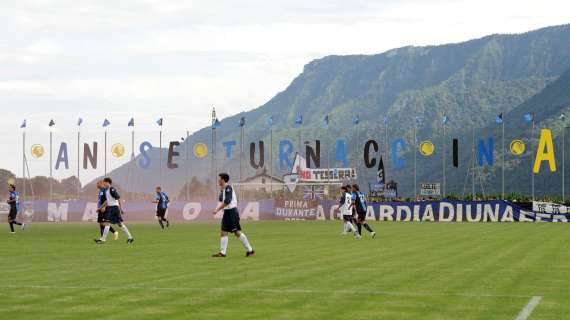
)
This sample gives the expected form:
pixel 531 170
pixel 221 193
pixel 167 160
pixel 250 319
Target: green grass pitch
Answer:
pixel 303 270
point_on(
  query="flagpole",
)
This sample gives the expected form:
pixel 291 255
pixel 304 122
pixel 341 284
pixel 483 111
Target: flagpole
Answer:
pixel 415 164
pixel 563 155
pixel 187 184
pixel 443 159
pixel 50 165
pixel 160 157
pixel 78 161
pixel 503 165
pixel 105 162
pixel 385 148
pixel 474 160
pixel 241 154
pixel 24 163
pixel 133 164
pixel 271 158
pixel 531 144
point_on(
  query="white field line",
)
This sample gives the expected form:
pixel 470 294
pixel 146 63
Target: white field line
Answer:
pixel 276 291
pixel 527 310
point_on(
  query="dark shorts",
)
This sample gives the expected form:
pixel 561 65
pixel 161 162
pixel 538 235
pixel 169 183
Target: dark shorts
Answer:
pixel 361 215
pixel 347 218
pixel 113 215
pixel 12 214
pixel 100 217
pixel 160 212
pixel 230 220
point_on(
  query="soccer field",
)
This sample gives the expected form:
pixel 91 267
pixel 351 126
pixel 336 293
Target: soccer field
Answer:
pixel 302 270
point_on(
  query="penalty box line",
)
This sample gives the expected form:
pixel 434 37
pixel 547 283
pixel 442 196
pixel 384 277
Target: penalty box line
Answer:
pixel 529 308
pixel 278 291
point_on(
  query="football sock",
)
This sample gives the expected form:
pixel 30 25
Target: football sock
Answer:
pixel 17 223
pixel 105 233
pixel 11 227
pixel 112 230
pixel 224 244
pixel 101 228
pixel 161 224
pixel 245 242
pixel 359 226
pixel 124 227
pixel 367 227
pixel 350 226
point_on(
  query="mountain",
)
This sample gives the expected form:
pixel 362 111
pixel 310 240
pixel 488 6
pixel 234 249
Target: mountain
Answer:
pixel 470 82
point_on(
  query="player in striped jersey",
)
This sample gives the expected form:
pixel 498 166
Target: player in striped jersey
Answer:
pixel 361 209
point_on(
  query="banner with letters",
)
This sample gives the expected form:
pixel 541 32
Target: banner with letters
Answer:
pixel 428 211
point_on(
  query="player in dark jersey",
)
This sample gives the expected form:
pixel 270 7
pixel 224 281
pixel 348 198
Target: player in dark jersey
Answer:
pixel 361 208
pixel 161 201
pixel 14 202
pixel 101 202
pixel 113 212
pixel 230 220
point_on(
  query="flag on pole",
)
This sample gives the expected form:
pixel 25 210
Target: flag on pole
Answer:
pixel 298 120
pixel 241 122
pixel 499 118
pixel 270 121
pixel 51 123
pixel 419 120
pixel 159 122
pixel 106 123
pixel 528 117
pixel 326 121
pixel 217 124
pixel 131 122
pixel 381 178
pixel 356 120
pixel 445 119
pixel 562 116
pixel 79 122
pixel 24 124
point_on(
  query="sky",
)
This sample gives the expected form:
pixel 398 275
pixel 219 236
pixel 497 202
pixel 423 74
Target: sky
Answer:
pixel 148 59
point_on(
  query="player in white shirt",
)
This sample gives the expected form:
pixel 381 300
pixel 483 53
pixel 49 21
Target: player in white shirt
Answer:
pixel 346 211
pixel 230 220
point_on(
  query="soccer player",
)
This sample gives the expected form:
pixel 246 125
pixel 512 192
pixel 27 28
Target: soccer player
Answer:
pixel 14 202
pixel 112 212
pixel 101 202
pixel 161 201
pixel 230 220
pixel 361 209
pixel 346 211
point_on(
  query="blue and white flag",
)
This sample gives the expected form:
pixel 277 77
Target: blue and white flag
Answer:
pixel 562 117
pixel 241 122
pixel 24 124
pixel 528 117
pixel 51 123
pixel 385 119
pixel 326 121
pixel 106 123
pixel 79 122
pixel 499 118
pixel 419 120
pixel 217 124
pixel 298 120
pixel 356 120
pixel 270 121
pixel 131 122
pixel 159 122
pixel 445 119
